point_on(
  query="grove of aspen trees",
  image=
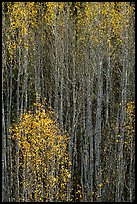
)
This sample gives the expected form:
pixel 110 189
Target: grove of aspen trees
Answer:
pixel 68 101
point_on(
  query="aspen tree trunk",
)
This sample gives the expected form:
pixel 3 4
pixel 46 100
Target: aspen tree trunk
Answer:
pixel 84 150
pixel 98 128
pixel 18 84
pixel 130 177
pixel 108 98
pixel 25 77
pixel 122 116
pixel 41 51
pixel 9 142
pixel 18 111
pixel 56 76
pixel 3 152
pixel 117 156
pixel 83 133
pixel 89 130
pixel 86 136
pixel 90 135
pixel 98 119
pixel 43 84
pixel 73 90
pixel 25 94
pixel 4 138
pixel 61 65
pixel 108 79
pixel 120 148
pixel 67 80
pixel 73 132
pixel 4 160
pixel 81 158
pixel 24 98
pixel 67 89
pixel 38 63
pixel 7 90
pixel 36 77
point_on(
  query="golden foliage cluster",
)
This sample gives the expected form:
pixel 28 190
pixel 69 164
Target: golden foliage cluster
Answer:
pixel 129 126
pixel 43 155
pixel 97 21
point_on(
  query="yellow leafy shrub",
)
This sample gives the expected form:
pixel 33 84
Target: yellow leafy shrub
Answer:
pixel 43 155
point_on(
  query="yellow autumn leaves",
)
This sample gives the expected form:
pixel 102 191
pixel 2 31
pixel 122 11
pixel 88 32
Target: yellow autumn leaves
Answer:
pixel 43 154
pixel 105 17
pixel 91 17
pixel 129 126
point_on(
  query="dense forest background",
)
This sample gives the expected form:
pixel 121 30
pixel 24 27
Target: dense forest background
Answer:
pixel 68 92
